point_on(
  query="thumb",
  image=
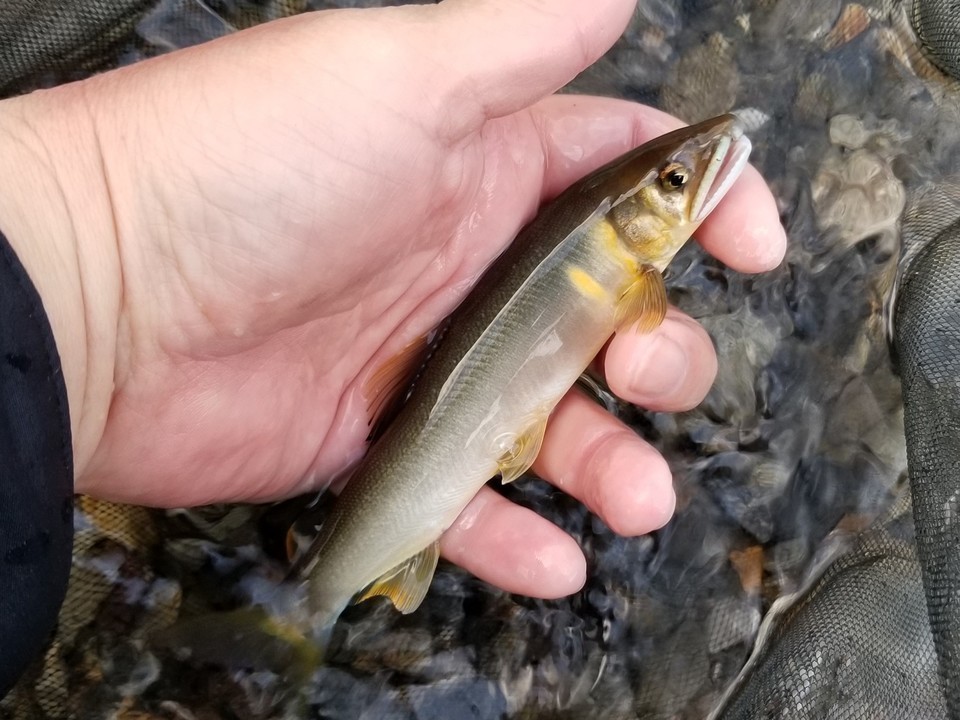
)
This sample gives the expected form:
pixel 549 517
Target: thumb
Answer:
pixel 508 54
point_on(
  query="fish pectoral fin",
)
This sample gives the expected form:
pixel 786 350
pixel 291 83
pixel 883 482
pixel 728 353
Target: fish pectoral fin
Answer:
pixel 526 446
pixel 406 585
pixel 644 302
pixel 386 389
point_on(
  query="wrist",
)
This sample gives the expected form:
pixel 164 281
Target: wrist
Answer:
pixel 55 211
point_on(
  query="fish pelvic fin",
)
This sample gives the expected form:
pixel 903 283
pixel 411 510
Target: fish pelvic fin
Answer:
pixel 521 453
pixel 406 585
pixel 644 302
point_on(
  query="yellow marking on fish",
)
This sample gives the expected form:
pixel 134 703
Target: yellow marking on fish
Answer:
pixel 608 238
pixel 606 233
pixel 586 284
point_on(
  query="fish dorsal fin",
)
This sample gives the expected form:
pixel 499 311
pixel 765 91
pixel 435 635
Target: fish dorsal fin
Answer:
pixel 387 388
pixel 518 458
pixel 406 585
pixel 644 302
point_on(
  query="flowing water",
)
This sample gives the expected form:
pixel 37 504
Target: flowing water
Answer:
pixel 799 444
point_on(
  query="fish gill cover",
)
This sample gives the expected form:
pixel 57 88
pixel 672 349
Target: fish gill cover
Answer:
pixel 791 476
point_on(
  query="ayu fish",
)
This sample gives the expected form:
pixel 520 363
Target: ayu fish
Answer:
pixel 589 264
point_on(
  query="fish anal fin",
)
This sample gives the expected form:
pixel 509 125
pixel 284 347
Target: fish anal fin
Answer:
pixel 406 585
pixel 523 451
pixel 644 302
pixel 386 389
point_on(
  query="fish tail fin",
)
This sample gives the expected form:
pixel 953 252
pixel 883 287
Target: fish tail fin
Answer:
pixel 247 638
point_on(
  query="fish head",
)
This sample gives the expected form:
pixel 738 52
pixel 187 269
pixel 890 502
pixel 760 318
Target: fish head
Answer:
pixel 661 192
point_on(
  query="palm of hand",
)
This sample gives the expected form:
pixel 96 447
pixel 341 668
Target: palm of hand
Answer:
pixel 293 252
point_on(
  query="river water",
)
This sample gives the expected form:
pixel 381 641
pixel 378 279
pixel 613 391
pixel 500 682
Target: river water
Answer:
pixel 800 440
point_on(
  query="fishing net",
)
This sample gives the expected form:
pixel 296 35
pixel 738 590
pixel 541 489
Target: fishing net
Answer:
pixel 834 651
pixel 114 597
pixel 938 26
pixel 47 42
pixel 40 38
pixel 807 573
pixel 928 339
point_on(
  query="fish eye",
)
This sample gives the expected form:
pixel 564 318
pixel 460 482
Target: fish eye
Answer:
pixel 674 176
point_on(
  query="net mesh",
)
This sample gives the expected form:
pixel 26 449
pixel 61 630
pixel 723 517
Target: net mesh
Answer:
pixel 937 24
pixel 43 41
pixel 856 645
pixel 928 341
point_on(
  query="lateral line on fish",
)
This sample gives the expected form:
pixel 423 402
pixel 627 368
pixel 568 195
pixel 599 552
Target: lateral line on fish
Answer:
pixel 555 255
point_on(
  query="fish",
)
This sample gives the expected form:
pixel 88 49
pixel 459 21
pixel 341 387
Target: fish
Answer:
pixel 589 264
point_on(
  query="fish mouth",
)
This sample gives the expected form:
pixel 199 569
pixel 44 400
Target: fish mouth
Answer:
pixel 726 159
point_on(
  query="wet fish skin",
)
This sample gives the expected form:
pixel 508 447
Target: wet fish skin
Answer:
pixel 588 263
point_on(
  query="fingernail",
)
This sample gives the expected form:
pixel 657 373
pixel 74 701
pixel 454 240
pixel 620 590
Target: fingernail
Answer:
pixel 659 371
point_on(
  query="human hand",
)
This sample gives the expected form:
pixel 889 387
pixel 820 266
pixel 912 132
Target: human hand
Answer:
pixel 236 236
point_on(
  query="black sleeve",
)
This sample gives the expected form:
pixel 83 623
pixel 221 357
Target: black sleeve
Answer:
pixel 36 473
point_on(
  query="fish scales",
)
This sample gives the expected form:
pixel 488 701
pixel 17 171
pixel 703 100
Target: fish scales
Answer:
pixel 590 260
pixel 445 453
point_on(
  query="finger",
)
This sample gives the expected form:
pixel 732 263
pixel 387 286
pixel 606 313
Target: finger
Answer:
pixel 744 230
pixel 579 134
pixel 509 54
pixel 669 369
pixel 600 461
pixel 514 548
